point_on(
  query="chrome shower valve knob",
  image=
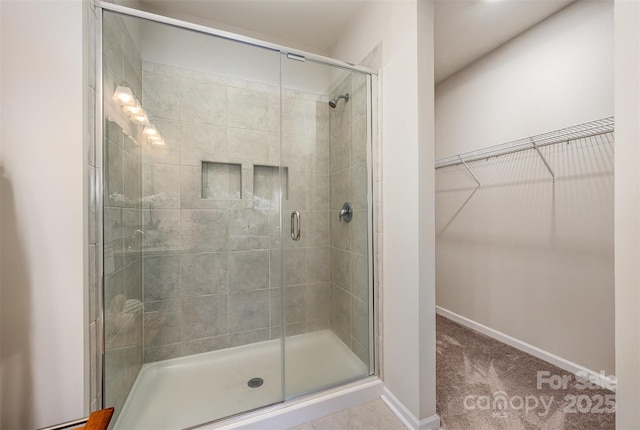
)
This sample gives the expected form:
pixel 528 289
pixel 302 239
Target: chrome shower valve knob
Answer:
pixel 346 213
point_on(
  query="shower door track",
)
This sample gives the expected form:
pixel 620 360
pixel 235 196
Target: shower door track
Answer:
pixel 232 36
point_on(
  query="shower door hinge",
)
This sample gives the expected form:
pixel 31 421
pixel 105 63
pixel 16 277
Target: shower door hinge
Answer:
pixel 296 57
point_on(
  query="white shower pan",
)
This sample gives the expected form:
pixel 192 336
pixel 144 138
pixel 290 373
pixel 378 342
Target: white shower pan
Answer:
pixel 188 391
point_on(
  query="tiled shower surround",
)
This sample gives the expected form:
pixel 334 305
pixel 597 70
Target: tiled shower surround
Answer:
pixel 212 254
pixel 348 248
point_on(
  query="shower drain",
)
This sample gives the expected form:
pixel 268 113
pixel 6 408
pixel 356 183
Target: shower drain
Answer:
pixel 255 382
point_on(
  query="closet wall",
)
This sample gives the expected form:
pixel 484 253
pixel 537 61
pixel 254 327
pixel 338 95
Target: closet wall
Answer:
pixel 523 255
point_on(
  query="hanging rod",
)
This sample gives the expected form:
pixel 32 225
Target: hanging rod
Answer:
pixel 588 129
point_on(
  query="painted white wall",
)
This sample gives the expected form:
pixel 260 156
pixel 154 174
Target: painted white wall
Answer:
pixel 532 258
pixel 409 370
pixel 166 9
pixel 41 288
pixel 627 213
pixel 196 51
pixel 426 211
pixel 557 74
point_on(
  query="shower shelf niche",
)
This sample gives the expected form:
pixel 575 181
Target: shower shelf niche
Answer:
pixel 266 183
pixel 221 181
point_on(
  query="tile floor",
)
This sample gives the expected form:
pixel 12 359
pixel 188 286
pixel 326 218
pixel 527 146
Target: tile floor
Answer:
pixel 374 415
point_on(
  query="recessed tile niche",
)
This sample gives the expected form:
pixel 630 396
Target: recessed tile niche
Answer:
pixel 266 185
pixel 221 181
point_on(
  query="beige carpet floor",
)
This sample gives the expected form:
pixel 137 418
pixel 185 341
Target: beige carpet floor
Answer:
pixel 483 384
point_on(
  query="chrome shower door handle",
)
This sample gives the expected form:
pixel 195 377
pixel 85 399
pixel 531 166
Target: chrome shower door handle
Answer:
pixel 295 225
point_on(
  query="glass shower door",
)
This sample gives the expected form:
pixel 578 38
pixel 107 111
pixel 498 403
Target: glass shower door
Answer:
pixel 191 260
pixel 326 220
pixel 236 225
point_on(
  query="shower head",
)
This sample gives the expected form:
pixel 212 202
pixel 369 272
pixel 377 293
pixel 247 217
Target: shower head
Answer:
pixel 334 102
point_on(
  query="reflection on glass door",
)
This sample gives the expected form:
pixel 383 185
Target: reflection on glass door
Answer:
pixel 191 225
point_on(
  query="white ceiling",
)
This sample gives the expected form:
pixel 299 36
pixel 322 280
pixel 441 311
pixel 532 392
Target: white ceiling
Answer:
pixel 465 30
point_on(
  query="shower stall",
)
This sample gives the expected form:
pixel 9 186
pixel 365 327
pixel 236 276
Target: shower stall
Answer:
pixel 237 222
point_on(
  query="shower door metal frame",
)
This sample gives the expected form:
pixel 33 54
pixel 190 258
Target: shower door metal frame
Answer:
pixel 99 203
pixel 230 36
pixel 372 136
pixel 372 199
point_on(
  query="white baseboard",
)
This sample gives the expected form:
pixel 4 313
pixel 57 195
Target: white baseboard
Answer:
pixel 408 419
pixel 295 412
pixel 569 366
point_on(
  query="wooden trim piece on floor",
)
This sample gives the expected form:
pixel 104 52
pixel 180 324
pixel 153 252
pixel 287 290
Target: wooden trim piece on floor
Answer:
pixel 99 420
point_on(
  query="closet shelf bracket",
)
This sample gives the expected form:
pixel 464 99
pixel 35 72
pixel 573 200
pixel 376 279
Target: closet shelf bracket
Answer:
pixel 469 170
pixel 544 160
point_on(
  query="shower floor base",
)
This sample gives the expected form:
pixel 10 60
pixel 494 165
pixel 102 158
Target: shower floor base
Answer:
pixel 187 391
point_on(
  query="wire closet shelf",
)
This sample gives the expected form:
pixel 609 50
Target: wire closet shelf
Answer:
pixel 586 130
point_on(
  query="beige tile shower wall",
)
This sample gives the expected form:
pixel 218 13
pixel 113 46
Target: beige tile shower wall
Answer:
pixel 305 150
pixel 212 259
pixel 122 218
pixel 349 241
